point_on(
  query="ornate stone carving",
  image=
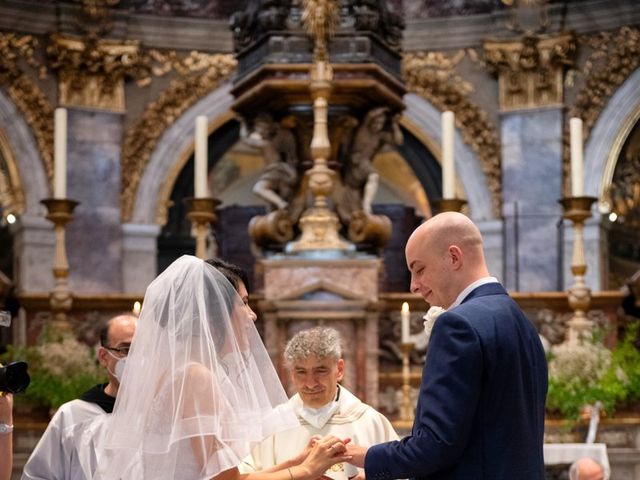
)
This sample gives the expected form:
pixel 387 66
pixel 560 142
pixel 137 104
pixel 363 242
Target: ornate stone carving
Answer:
pixel 615 56
pixel 94 16
pixel 11 192
pixel 92 70
pixel 531 69
pixel 319 19
pixel 432 75
pixel 279 180
pixel 200 74
pixel 259 17
pixel 25 94
pixel 552 325
pixel 263 16
pixel 375 16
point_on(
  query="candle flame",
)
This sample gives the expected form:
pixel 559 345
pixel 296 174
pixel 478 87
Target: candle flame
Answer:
pixel 405 307
pixel 136 308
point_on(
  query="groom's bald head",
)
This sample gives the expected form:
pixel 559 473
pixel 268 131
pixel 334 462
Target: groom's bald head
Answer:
pixel 444 255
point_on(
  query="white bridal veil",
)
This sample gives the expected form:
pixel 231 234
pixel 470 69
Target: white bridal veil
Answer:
pixel 198 390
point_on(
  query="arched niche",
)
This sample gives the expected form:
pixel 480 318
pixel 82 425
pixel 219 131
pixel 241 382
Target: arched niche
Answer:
pixel 410 179
pixel 31 237
pixel 604 152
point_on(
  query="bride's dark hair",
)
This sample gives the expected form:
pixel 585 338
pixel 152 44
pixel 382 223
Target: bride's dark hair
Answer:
pixel 231 272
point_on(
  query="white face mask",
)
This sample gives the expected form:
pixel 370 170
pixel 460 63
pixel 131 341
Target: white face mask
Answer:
pixel 318 417
pixel 120 364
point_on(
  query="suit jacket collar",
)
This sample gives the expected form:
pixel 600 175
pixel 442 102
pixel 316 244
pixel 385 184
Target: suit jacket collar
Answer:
pixel 485 290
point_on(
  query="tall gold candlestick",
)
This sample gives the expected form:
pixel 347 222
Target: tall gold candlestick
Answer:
pixel 202 213
pixel 319 225
pixel 60 212
pixel 406 407
pixel 578 209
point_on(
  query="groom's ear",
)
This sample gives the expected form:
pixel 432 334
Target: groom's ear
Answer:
pixel 455 257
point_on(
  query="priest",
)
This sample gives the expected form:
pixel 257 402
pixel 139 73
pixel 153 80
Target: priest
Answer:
pixel 66 450
pixel 314 359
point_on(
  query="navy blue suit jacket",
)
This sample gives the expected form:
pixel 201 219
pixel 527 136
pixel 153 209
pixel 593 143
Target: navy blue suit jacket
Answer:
pixel 480 412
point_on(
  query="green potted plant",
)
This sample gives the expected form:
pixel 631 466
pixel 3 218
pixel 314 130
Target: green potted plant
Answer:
pixel 581 374
pixel 61 369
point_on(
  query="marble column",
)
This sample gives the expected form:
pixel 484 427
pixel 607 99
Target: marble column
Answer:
pixel 492 235
pixel 94 237
pixel 139 256
pixel 530 72
pixel 532 185
pixel 33 251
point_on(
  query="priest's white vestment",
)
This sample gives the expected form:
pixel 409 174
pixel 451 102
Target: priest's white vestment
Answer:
pixel 352 419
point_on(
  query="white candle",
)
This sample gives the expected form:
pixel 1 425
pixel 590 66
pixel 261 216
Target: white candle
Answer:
pixel 405 317
pixel 577 164
pixel 201 189
pixel 60 153
pixel 448 169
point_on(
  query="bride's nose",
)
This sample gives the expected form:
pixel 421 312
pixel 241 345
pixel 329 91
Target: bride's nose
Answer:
pixel 252 314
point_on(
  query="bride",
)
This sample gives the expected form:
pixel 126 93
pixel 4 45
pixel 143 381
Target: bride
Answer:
pixel 199 389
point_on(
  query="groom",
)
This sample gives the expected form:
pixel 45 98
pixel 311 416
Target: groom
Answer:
pixel 480 413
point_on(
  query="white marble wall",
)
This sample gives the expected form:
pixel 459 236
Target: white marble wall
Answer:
pixel 33 253
pixel 531 180
pixel 94 237
pixel 139 256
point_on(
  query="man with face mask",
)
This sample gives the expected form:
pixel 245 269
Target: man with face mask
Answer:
pixel 67 448
pixel 314 359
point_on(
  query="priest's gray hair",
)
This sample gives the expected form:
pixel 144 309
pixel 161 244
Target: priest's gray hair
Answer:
pixel 321 342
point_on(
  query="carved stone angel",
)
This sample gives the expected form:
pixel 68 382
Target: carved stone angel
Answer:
pixel 359 177
pixel 279 179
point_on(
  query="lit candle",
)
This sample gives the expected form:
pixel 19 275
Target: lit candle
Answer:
pixel 60 153
pixel 405 317
pixel 201 189
pixel 577 164
pixel 136 308
pixel 448 169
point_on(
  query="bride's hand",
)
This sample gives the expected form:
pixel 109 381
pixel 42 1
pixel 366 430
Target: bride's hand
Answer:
pixel 326 452
pixel 298 459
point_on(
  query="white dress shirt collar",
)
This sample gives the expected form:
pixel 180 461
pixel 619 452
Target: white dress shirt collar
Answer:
pixel 463 294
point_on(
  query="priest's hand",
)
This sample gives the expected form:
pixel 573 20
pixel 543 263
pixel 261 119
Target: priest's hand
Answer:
pixel 357 453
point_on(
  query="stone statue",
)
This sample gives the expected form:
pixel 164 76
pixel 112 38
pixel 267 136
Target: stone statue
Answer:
pixel 376 16
pixel 258 17
pixel 277 183
pixel 360 179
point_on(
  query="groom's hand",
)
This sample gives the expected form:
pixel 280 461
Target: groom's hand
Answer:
pixel 357 453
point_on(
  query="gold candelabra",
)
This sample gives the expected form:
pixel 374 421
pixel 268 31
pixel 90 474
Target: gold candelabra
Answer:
pixel 406 407
pixel 201 212
pixel 449 204
pixel 578 209
pixel 60 212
